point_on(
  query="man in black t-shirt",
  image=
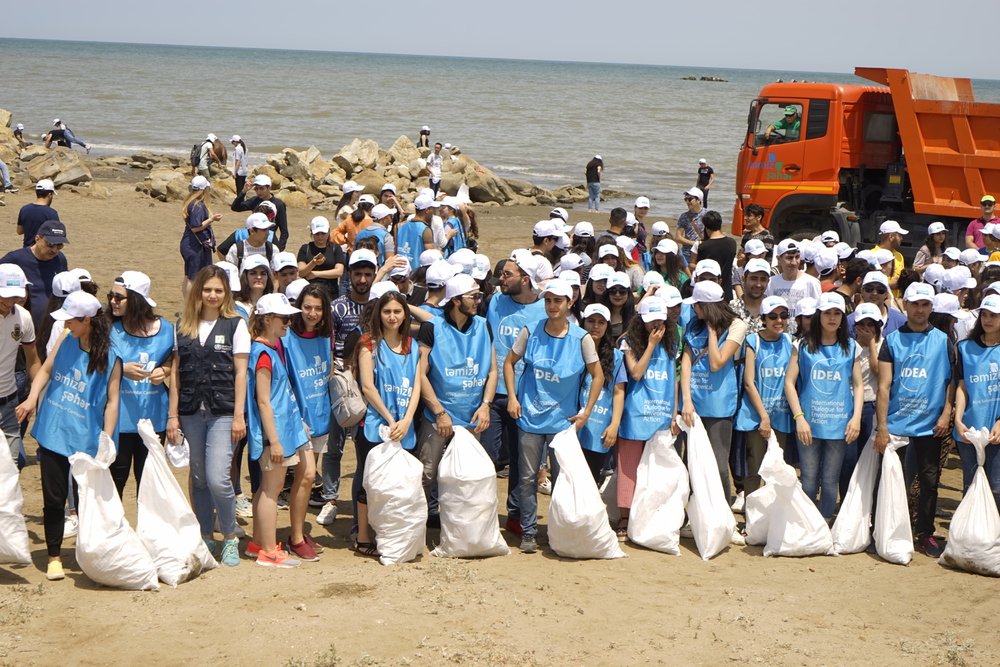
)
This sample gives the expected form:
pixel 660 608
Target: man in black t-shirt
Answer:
pixel 31 216
pixel 322 265
pixel 261 184
pixel 706 177
pixel 719 247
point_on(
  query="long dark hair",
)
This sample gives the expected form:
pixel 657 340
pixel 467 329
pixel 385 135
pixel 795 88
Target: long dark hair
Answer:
pixel 325 327
pixel 638 338
pixel 244 293
pixel 137 315
pixel 814 337
pixel 628 308
pixel 944 322
pixel 606 352
pixel 375 332
pixel 100 342
pixel 589 296
pixel 987 276
pixel 584 245
pixel 44 331
pixel 977 332
pixel 933 247
pixel 670 269
pixel 245 151
pixel 716 315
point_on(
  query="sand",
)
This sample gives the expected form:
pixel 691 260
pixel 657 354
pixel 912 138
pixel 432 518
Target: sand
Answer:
pixel 516 610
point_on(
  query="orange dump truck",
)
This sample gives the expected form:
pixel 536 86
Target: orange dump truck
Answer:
pixel 915 149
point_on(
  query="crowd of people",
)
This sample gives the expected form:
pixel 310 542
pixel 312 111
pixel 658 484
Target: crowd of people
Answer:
pixel 617 333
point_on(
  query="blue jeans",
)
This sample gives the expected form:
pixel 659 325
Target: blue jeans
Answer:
pixel 212 448
pixel 853 451
pixel 594 195
pixel 71 138
pixel 503 431
pixel 533 447
pixel 5 174
pixel 991 467
pixel 330 469
pixel 820 464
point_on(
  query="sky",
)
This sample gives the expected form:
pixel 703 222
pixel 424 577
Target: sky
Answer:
pixel 803 35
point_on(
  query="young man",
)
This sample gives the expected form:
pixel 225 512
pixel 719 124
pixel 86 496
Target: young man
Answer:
pixel 690 229
pixel 825 263
pixel 854 273
pixel 206 153
pixel 17 332
pixel 639 211
pixel 321 261
pixel 31 216
pixel 616 227
pixel 434 162
pixel 792 284
pixel 875 290
pixel 261 185
pixel 974 232
pixel 256 243
pixel 706 179
pixel 415 236
pixel 40 262
pixel 791 124
pixel 721 248
pixel 753 228
pixel 544 237
pixel 381 217
pixel 756 275
pixel 915 395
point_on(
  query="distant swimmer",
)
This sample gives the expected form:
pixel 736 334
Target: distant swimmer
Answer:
pixel 425 137
pixel 790 123
pixel 63 136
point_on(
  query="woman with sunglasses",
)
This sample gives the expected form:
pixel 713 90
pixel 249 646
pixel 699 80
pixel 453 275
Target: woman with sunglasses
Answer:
pixel 826 404
pixel 73 410
pixel 620 302
pixel 764 407
pixel 875 290
pixel 145 343
pixel 598 435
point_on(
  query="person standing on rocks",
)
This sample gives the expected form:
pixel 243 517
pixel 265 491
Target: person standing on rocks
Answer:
pixel 424 141
pixel 262 187
pixel 594 169
pixel 31 216
pixel 706 177
pixel 206 155
pixel 5 176
pixel 240 170
pixel 434 162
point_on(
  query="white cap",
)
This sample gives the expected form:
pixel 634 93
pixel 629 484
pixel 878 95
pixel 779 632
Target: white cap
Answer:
pixel 439 272
pixel 557 287
pixel 234 275
pixel 425 129
pixel 875 277
pixel 426 192
pixel 971 283
pixel 805 307
pixel 560 213
pixel 919 292
pixel 402 268
pixel 197 183
pixel 771 304
pixel 283 260
pixel 868 311
pixel 826 261
pixel 138 282
pixel 830 235
pixel 447 146
pixel 572 277
pixel 451 202
pixel 933 274
pixel 13 281
pixel 991 303
pixel 382 211
pixel 251 262
pixel 390 187
pixel 809 250
pixel 831 301
pixel 19 126
pixel 630 220
pixel 992 287
pixel 209 137
pixel 366 199
pixel 295 288
pixel 597 309
pixel 423 202
pixel 275 303
pixel 695 192
pixel 988 229
pixel 843 250
pixel 319 225
pixel 653 308
pixel 660 228
pixel 785 246
pixel 705 292
pixel 583 230
pixel 236 138
pixel 891 227
pixel 600 272
pixel 598 157
pixel 606 250
pixel 936 228
pixel 946 304
pixel 268 204
pixel 756 266
pixel 703 161
pixel 350 186
pixel 641 202
pixel 707 266
pixel 869 257
pixel 667 247
pixel 543 270
pixel 56 122
pixel 955 278
pixel 953 254
pixel 77 304
pixel 83 275
pixel 625 243
pixel 619 279
pixel 572 261
pixel 48 186
pixel 755 247
pixel 546 228
pixel 529 264
pixel 994 231
pixel 652 278
pixel 362 255
pixel 970 256
pixel 884 256
pixel 670 295
pixel 428 257
pixel 64 283
pixel 562 241
pixel 258 221
pixel 262 179
pixel 463 258
pixel 380 289
pixel 459 285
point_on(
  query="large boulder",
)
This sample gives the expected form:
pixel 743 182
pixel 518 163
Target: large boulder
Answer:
pixel 277 180
pixel 5 118
pixel 297 169
pixel 224 190
pixel 31 152
pixel 293 198
pixel 7 155
pixel 522 188
pixel 404 151
pixel 418 168
pixel 371 180
pixel 318 170
pixel 167 184
pixel 485 186
pixel 62 165
pixel 310 155
pixel 357 156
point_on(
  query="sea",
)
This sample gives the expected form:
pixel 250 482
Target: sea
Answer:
pixel 539 121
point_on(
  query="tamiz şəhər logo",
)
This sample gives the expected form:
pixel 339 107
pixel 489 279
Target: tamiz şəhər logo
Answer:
pixel 772 163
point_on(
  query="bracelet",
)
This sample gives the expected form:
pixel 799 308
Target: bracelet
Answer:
pixel 172 417
pixel 801 414
pixel 438 414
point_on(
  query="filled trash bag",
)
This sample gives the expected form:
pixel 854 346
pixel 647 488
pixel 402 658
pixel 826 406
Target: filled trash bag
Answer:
pixel 795 526
pixel 661 494
pixel 397 508
pixel 974 535
pixel 757 506
pixel 893 535
pixel 852 528
pixel 712 520
pixel 14 546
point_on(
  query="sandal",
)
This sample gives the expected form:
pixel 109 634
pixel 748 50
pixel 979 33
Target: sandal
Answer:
pixel 366 548
pixel 622 531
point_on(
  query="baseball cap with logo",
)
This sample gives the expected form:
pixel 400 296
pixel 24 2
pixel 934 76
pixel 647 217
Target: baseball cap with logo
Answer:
pixel 319 225
pixel 363 256
pixel 295 288
pixel 401 267
pixel 667 247
pixel 970 257
pixel 45 185
pixel 991 303
pixel 652 278
pixel 705 292
pixel 233 273
pixel 891 227
pixel 460 285
pixel 988 198
pixel 953 254
pixel 707 266
pixel 660 228
pixel 252 262
pixel 756 266
pixel 275 304
pixel 790 110
pixel 670 295
pixel 439 273
pixel 463 258
pixel 597 309
pixel 572 261
pixel 77 304
pixel 875 277
pixel 390 187
pixel 572 277
pixel 831 301
pixel 607 250
pixel 546 228
pixel 641 202
pixel 946 304
pixel 653 308
pixel 283 260
pixel 619 279
pixel 600 272
pixel 428 257
pixel 919 292
pixel 626 244
pixel 53 231
pixel 423 202
pixel 771 304
pixel 868 311
pixel 64 283
pixel 844 250
pixel 935 228
pixel 481 267
pixel 350 186
pixel 380 289
pixel 262 180
pixel 805 307
pixel 884 256
pixel 696 193
pixel 754 247
pixel 138 282
pixel 13 281
pixel 382 211
pixel 583 230
pixel 557 287
pixel 786 246
pixel 258 221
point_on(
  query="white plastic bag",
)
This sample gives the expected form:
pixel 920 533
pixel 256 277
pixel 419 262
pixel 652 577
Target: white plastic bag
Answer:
pixel 893 536
pixel 467 495
pixel 578 519
pixel 179 455
pixel 974 535
pixel 397 508
pixel 712 520
pixel 165 523
pixel 107 549
pixel 609 494
pixel 14 545
pixel 661 493
pixel 852 528
pixel 757 507
pixel 795 526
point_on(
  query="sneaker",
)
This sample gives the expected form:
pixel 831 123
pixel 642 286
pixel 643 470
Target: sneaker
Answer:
pixel 737 539
pixel 276 558
pixel 315 547
pixel 70 526
pixel 283 500
pixel 930 546
pixel 244 507
pixel 316 497
pixel 545 487
pixel 504 473
pixel 303 551
pixel 327 515
pixel 686 532
pixel 210 543
pixel 513 526
pixel 253 549
pixel 528 544
pixel 231 552
pixel 739 502
pixel 11 189
pixel 55 571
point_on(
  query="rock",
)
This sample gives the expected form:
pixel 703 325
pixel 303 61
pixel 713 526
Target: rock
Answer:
pixel 404 151
pixel 31 152
pixel 451 182
pixel 224 190
pixel 62 165
pixel 276 179
pixel 329 190
pixel 485 186
pixel 689 78
pixel 357 156
pixel 545 198
pixel 371 180
pixel 522 188
pixel 8 156
pixel 5 117
pixel 297 169
pixel 146 157
pixel 335 178
pixel 293 199
pixel 167 185
pixel 418 168
pixel 310 155
pixel 318 170
pixel 276 160
pixel 98 191
pixel 115 160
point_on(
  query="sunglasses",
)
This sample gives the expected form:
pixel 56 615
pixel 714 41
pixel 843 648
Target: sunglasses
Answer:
pixel 478 296
pixel 878 289
pixel 689 199
pixel 774 316
pixel 285 319
pixel 621 291
pixel 116 297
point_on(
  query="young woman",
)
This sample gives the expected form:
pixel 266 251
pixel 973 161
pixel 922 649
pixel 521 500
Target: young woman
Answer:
pixel 255 282
pixel 240 163
pixel 667 262
pixel 145 344
pixel 868 336
pixel 597 283
pixel 708 373
pixel 764 407
pixel 826 403
pixel 198 241
pixel 388 362
pixel 277 437
pixel 650 349
pixel 74 409
pixel 803 314
pixel 977 404
pixel 598 435
pixel 349 201
pixel 619 260
pixel 455 216
pixel 63 284
pixel 556 356
pixel 620 301
pixel 208 392
pixel 932 249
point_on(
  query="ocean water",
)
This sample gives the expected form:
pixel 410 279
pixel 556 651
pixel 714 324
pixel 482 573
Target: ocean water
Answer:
pixel 535 120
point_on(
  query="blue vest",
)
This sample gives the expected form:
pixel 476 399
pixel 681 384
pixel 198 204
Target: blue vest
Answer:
pixel 456 242
pixel 309 361
pixel 435 311
pixel 457 368
pixel 143 399
pixel 769 366
pixel 410 240
pixel 378 233
pixel 687 316
pixel 507 317
pixel 981 373
pixel 287 418
pixel 920 375
pixel 646 260
pixel 395 376
pixel 712 392
pixel 600 418
pixel 70 414
pixel 549 390
pixel 649 402
pixel 825 388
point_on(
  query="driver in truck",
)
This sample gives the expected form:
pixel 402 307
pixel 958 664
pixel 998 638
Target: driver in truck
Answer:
pixel 790 123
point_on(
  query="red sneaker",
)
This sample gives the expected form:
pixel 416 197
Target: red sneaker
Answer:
pixel 513 526
pixel 315 547
pixel 276 558
pixel 304 551
pixel 252 549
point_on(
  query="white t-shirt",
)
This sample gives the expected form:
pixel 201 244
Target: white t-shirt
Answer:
pixel 16 330
pixel 55 333
pixel 793 291
pixel 248 250
pixel 240 159
pixel 241 339
pixel 434 163
pixel 871 382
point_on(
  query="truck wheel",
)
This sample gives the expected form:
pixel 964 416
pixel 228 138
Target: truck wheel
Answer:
pixel 805 234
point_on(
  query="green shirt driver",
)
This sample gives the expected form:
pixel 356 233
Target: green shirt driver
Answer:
pixel 790 123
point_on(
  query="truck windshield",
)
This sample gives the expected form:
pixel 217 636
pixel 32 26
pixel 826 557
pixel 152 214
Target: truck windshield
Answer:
pixel 775 125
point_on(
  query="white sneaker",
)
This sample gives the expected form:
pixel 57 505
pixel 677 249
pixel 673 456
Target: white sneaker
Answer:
pixel 327 515
pixel 244 507
pixel 545 487
pixel 71 525
pixel 686 532
pixel 739 502
pixel 737 539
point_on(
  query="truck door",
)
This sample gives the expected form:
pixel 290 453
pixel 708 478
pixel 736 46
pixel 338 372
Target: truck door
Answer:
pixel 778 163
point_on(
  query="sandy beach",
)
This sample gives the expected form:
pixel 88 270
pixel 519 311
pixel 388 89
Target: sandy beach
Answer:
pixel 538 609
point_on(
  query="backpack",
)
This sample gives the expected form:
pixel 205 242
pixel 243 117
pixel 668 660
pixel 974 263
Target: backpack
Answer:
pixel 240 247
pixel 346 400
pixel 196 154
